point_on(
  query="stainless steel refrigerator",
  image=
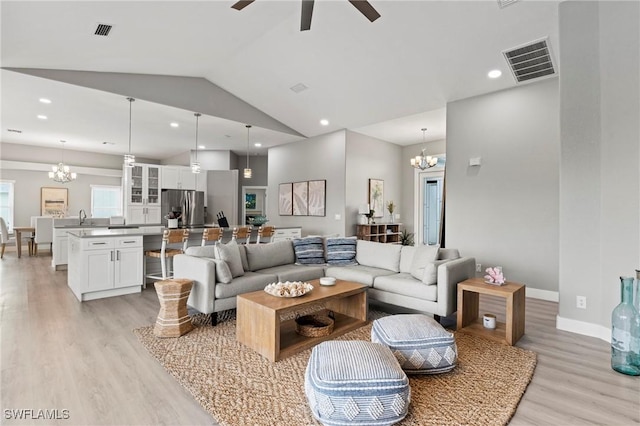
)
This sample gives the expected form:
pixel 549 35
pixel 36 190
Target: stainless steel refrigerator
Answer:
pixel 187 205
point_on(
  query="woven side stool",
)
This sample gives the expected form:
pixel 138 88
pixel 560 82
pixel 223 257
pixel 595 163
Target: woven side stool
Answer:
pixel 421 345
pixel 173 318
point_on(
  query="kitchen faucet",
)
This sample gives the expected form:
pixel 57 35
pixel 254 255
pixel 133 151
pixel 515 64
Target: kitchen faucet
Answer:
pixel 82 216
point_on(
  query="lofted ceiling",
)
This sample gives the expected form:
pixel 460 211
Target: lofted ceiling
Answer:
pixel 387 79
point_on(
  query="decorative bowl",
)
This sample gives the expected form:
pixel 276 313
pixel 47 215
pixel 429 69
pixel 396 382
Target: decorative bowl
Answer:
pixel 288 289
pixel 327 281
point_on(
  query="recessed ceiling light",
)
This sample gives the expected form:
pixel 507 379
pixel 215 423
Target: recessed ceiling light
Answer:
pixel 324 122
pixel 201 147
pixel 45 100
pixel 257 144
pixel 174 124
pixel 494 73
pixel 42 117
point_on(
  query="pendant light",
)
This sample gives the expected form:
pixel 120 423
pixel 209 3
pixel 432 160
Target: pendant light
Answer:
pixel 61 172
pixel 129 158
pixel 195 165
pixel 423 161
pixel 247 170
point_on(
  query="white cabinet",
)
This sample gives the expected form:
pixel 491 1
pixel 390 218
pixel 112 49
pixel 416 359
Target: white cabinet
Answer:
pixel 287 234
pixel 141 184
pixel 60 244
pixel 105 266
pixel 178 177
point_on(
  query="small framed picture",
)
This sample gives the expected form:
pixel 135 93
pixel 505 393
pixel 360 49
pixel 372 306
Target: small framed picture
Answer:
pixel 54 201
pixel 376 197
pixel 300 200
pixel 317 197
pixel 285 199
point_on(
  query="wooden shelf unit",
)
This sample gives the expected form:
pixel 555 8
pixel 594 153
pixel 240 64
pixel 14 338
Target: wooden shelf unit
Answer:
pixel 380 232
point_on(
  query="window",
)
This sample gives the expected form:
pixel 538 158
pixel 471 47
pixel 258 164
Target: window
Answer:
pixel 106 201
pixel 6 202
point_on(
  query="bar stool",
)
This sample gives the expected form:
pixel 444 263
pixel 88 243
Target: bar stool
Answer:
pixel 241 234
pixel 169 237
pixel 265 233
pixel 211 234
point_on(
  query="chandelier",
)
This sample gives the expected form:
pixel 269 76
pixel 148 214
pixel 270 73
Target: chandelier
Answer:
pixel 247 170
pixel 60 172
pixel 129 158
pixel 423 161
pixel 195 165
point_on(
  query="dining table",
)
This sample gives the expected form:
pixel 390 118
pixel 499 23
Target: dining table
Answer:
pixel 18 230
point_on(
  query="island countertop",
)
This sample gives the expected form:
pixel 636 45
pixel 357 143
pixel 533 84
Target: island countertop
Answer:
pixel 132 232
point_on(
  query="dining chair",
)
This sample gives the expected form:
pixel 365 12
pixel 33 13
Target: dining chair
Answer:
pixel 43 234
pixel 211 234
pixel 170 239
pixel 4 236
pixel 241 234
pixel 265 234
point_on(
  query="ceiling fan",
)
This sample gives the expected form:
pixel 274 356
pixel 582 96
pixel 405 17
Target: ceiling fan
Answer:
pixel 307 10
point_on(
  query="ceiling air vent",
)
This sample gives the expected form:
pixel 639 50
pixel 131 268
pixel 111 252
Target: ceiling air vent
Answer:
pixel 504 3
pixel 103 30
pixel 14 130
pixel 530 61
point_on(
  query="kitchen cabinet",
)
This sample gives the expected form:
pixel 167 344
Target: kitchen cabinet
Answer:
pixel 104 266
pixel 286 234
pixel 178 177
pixel 59 258
pixel 142 215
pixel 141 184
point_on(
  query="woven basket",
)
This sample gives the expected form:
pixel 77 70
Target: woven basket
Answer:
pixel 314 325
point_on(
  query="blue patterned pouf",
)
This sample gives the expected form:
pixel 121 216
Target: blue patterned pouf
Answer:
pixel 356 383
pixel 419 343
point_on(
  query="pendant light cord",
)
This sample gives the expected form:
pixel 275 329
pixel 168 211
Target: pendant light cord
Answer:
pixel 197 114
pixel 131 100
pixel 248 127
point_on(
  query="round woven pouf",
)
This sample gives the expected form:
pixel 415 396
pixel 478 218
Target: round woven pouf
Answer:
pixel 173 318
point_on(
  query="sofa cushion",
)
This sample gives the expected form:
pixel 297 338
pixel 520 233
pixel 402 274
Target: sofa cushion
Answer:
pixel 223 273
pixel 406 285
pixel 230 253
pixel 294 272
pixel 357 273
pixel 250 281
pixel 406 258
pixel 309 251
pixel 341 251
pixel 202 251
pixel 423 255
pixel 448 253
pixel 261 256
pixel 430 274
pixel 243 256
pixel 378 255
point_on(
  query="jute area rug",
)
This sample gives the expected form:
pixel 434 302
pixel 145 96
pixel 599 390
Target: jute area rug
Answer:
pixel 239 387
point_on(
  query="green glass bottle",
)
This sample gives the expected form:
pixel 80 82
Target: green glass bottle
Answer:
pixel 625 332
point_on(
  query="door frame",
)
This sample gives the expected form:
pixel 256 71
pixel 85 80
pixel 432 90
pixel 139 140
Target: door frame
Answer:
pixel 419 176
pixel 244 206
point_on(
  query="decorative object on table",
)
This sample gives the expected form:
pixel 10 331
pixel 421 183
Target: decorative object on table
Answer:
pixel 315 325
pixel 285 199
pixel 258 220
pixel 489 321
pixel 288 288
pixel 406 238
pixel 494 276
pixel 54 201
pixel 376 196
pixel 317 197
pixel 370 217
pixel 300 198
pixel 173 318
pixel 625 332
pixel 327 281
pixel 364 210
pixel 222 220
pixel 172 220
pixel 391 207
pixel 423 161
pixel 61 172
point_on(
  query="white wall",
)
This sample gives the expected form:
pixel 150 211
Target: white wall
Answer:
pixel 600 177
pixel 505 212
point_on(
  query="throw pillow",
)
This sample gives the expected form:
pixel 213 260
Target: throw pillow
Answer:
pixel 309 251
pixel 341 251
pixel 201 251
pixel 230 253
pixel 430 275
pixel 223 273
pixel 423 255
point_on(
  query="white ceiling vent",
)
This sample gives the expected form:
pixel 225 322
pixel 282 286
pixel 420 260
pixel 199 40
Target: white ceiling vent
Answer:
pixel 103 30
pixel 504 3
pixel 531 61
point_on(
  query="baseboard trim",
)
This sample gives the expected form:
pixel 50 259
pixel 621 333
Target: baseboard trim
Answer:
pixel 535 293
pixel 584 328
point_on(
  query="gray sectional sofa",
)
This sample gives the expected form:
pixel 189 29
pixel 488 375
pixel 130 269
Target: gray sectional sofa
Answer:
pixel 422 278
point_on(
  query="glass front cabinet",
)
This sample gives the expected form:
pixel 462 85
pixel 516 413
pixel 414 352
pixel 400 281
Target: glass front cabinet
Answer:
pixel 142 193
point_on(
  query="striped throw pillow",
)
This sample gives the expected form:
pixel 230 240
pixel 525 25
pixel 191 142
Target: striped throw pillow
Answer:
pixel 341 251
pixel 309 251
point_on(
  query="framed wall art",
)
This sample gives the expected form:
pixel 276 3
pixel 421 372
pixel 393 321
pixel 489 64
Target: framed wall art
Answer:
pixel 54 201
pixel 285 199
pixel 317 197
pixel 376 197
pixel 300 198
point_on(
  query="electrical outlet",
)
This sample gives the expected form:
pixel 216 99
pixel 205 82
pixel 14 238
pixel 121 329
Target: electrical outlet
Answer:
pixel 478 267
pixel 581 302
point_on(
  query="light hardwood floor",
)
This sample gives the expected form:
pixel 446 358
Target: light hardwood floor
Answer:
pixel 58 353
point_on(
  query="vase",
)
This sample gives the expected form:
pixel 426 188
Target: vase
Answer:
pixel 625 332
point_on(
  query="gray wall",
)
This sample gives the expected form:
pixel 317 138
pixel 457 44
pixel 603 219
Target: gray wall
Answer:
pixel 600 178
pixel 505 212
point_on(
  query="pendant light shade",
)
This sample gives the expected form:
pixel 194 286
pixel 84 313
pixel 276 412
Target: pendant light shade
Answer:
pixel 61 172
pixel 129 158
pixel 247 171
pixel 195 165
pixel 423 161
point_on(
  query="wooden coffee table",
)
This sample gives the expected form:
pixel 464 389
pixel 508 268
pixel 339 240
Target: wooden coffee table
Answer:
pixel 469 292
pixel 259 326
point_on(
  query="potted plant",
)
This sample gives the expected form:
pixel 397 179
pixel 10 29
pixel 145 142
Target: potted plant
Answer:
pixel 406 238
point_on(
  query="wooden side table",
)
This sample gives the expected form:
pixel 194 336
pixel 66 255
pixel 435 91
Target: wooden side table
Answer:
pixel 173 318
pixel 469 292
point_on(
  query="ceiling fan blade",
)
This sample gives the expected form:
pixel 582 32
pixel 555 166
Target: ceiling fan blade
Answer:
pixel 307 12
pixel 366 9
pixel 241 4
